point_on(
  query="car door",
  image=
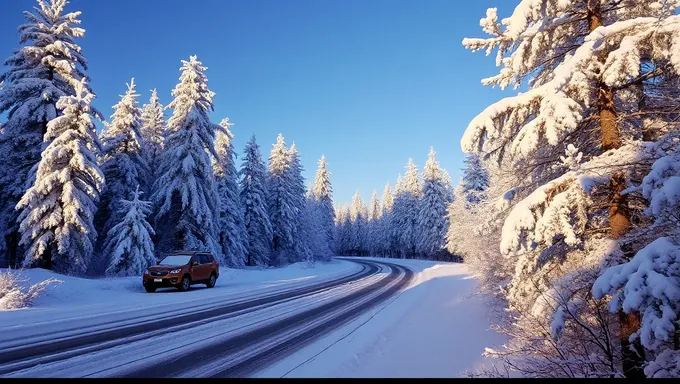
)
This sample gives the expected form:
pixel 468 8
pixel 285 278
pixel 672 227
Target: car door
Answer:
pixel 206 267
pixel 196 270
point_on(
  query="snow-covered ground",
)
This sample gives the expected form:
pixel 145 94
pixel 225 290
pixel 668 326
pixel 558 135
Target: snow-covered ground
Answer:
pixel 437 327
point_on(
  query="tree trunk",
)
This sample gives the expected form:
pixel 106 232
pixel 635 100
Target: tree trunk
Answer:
pixel 632 354
pixel 12 241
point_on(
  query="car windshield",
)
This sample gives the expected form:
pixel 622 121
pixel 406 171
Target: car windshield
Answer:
pixel 175 260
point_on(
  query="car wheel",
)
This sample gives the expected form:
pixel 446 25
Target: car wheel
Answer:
pixel 150 289
pixel 211 281
pixel 185 284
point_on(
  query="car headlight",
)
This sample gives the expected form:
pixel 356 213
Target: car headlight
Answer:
pixel 174 271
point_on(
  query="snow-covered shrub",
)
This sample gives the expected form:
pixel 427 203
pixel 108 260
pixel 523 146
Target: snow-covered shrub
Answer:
pixel 16 292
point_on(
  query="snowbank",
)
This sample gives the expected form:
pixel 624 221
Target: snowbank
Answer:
pixel 436 328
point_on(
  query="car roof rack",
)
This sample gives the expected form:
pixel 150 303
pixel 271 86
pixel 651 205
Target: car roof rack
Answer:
pixel 190 253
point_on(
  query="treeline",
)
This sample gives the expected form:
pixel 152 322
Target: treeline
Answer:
pixel 410 221
pixel 80 202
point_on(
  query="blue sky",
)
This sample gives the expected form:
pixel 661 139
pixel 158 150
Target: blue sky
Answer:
pixel 368 83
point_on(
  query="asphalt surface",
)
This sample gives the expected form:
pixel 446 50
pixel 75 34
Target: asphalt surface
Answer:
pixel 237 356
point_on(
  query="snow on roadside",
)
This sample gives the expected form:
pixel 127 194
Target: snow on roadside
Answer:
pixel 437 327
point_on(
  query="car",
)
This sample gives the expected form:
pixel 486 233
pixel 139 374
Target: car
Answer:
pixel 181 270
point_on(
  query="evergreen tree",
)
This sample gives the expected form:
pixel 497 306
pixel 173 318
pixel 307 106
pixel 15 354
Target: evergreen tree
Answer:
pixel 281 203
pixel 49 65
pixel 301 246
pixel 154 131
pixel 57 211
pixel 432 216
pixel 231 226
pixel 185 191
pixel 374 214
pixel 406 204
pixel 121 159
pixel 128 244
pixel 253 200
pixel 601 76
pixel 323 193
pixel 475 179
pixel 358 240
pixel 384 235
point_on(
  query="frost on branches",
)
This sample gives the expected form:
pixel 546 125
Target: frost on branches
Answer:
pixel 601 78
pixel 185 191
pixel 231 227
pixel 47 66
pixel 259 232
pixel 57 211
pixel 128 246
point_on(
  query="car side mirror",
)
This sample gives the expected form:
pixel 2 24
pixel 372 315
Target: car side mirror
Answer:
pixel 158 262
pixel 194 263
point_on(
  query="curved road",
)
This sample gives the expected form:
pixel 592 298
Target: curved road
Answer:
pixel 223 339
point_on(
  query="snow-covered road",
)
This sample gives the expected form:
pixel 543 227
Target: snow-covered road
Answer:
pixel 242 335
pixel 403 316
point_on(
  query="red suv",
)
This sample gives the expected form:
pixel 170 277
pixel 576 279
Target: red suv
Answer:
pixel 182 269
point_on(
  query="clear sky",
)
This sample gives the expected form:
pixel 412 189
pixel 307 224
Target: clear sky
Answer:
pixel 368 83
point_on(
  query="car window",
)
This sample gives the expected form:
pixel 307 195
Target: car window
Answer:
pixel 205 259
pixel 175 260
pixel 196 258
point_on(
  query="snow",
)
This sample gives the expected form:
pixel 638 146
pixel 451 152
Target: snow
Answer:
pixel 436 328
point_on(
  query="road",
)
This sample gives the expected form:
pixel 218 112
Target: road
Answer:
pixel 226 338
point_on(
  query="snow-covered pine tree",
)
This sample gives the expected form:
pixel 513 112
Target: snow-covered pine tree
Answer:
pixel 47 66
pixel 259 232
pixel 359 232
pixel 374 214
pixel 154 132
pixel 385 223
pixel 231 226
pixel 57 210
pixel 122 161
pixel 406 204
pixel 591 67
pixel 313 231
pixel 301 247
pixel 323 193
pixel 346 231
pixel 280 203
pixel 128 245
pixel 185 190
pixel 475 179
pixel 432 218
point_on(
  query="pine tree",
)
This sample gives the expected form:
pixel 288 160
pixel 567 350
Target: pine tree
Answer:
pixel 323 193
pixel 406 204
pixel 358 240
pixel 121 159
pixel 475 179
pixel 49 65
pixel 128 244
pixel 259 233
pixel 57 211
pixel 281 204
pixel 599 73
pixel 301 240
pixel 185 191
pixel 374 214
pixel 154 131
pixel 231 226
pixel 384 238
pixel 432 215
